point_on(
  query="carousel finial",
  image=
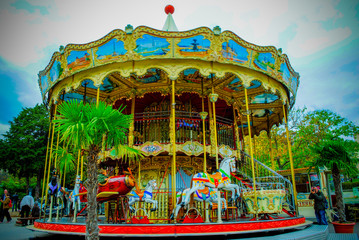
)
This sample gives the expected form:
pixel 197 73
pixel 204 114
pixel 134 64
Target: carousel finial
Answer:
pixel 170 23
pixel 169 9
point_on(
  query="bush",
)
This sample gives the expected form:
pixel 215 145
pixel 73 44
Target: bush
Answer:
pixel 350 185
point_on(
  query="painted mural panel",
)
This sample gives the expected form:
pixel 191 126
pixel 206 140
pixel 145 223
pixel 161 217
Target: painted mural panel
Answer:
pixel 110 51
pixel 284 71
pixel 78 60
pixel 234 86
pixel 264 61
pixel 193 76
pixel 151 46
pixel 153 75
pixel 264 98
pixel 195 46
pixel 235 52
pixel 44 83
pixel 106 86
pixel 55 71
pixel 261 112
pixel 294 84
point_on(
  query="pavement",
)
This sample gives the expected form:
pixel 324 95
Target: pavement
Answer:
pixel 10 231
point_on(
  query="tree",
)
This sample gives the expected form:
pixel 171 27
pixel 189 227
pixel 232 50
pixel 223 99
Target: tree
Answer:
pixel 335 155
pixel 23 149
pixel 90 127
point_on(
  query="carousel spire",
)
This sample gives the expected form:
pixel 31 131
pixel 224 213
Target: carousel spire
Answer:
pixel 170 24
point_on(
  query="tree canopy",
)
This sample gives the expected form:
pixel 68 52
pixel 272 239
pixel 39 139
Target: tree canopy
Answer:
pixel 23 147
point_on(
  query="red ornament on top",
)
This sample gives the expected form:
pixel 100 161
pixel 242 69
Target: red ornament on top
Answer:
pixel 169 9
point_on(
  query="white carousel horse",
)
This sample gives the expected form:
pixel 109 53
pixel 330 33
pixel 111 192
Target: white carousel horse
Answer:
pixel 207 194
pixel 219 180
pixel 144 196
pixel 73 197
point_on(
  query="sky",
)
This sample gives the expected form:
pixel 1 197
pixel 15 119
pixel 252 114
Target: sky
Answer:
pixel 320 37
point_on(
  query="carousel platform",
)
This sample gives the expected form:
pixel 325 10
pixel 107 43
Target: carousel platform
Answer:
pixel 238 227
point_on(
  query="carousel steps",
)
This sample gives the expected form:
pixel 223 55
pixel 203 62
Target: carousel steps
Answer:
pixel 313 232
pixel 343 236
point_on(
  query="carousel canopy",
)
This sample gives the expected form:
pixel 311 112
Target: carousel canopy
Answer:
pixel 141 61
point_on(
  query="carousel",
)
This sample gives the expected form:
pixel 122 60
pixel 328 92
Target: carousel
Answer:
pixel 194 96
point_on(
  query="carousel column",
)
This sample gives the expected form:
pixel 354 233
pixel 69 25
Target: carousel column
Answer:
pixel 213 98
pixel 47 154
pixel 203 117
pixel 73 197
pixel 59 181
pixel 173 143
pixel 236 132
pixel 50 159
pixel 255 207
pixel 291 160
pixel 132 126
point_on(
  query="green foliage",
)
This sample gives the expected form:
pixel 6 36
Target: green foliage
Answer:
pixel 85 125
pixel 349 185
pixel 23 149
pixel 336 152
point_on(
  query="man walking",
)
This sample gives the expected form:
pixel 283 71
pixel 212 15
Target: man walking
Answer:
pixel 319 205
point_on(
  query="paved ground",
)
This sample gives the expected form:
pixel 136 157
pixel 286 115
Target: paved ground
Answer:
pixel 9 231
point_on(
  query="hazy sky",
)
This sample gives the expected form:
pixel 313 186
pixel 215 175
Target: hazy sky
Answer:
pixel 321 38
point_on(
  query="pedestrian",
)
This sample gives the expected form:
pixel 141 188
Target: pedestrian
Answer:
pixel 1 205
pixel 26 205
pixel 35 212
pixel 319 205
pixel 15 199
pixel 5 208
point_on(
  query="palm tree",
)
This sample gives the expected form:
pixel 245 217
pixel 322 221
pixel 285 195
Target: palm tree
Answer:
pixel 335 155
pixel 91 127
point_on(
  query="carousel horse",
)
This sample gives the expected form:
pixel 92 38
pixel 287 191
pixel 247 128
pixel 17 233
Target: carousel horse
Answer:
pixel 144 196
pixel 53 186
pixel 207 194
pixel 219 180
pixel 62 196
pixel 73 197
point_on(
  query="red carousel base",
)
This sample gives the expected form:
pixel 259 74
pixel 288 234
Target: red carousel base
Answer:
pixel 182 229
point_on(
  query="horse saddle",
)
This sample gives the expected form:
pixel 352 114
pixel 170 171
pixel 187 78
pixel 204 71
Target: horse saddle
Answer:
pixel 140 194
pixel 215 179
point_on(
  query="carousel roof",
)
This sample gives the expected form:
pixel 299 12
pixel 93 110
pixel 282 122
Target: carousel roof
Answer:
pixel 136 62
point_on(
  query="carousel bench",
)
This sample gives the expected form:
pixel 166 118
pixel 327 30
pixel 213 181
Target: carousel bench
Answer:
pixel 31 220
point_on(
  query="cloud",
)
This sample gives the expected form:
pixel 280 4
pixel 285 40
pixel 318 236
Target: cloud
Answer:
pixel 25 5
pixel 3 129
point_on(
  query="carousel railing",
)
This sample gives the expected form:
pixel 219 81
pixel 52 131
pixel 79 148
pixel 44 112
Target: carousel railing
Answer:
pixel 265 178
pixel 154 126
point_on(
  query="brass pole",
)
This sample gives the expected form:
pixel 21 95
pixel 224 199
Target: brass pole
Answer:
pixel 204 134
pixel 98 96
pixel 173 133
pixel 291 161
pixel 215 129
pixel 132 126
pixel 235 124
pixel 50 158
pixel 82 166
pixel 47 153
pixel 251 152
pixel 78 162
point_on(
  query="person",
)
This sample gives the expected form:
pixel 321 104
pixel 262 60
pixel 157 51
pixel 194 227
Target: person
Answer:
pixel 1 205
pixel 5 209
pixel 102 176
pixel 319 205
pixel 35 212
pixel 26 205
pixel 14 200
